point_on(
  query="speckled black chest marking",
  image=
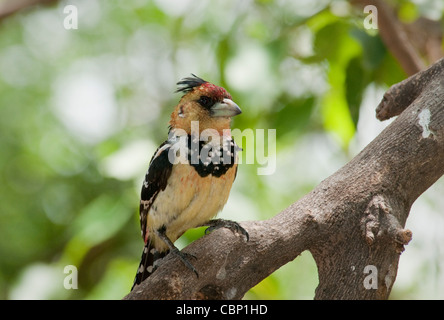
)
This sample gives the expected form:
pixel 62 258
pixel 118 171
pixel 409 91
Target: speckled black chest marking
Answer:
pixel 207 158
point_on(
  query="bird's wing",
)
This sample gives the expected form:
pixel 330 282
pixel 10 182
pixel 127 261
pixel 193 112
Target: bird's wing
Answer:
pixel 156 180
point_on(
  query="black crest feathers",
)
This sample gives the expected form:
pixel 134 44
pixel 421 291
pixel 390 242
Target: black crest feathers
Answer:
pixel 188 84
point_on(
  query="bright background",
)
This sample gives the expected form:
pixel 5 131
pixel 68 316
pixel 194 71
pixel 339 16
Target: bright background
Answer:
pixel 82 111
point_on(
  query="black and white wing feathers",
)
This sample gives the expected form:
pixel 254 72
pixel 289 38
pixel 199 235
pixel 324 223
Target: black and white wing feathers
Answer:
pixel 156 180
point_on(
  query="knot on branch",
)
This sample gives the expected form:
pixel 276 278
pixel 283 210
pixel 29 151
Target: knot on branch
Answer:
pixel 397 99
pixel 379 221
pixel 371 220
pixel 401 95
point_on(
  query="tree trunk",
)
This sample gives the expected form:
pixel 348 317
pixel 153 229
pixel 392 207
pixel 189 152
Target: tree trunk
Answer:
pixel 352 222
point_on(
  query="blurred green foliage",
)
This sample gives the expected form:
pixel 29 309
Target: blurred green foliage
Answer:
pixel 82 111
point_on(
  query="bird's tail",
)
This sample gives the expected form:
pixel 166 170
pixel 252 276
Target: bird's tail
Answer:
pixel 147 263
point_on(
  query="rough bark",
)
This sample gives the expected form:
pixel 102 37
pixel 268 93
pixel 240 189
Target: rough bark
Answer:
pixel 352 220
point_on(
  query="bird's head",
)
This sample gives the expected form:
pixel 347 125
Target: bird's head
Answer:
pixel 210 105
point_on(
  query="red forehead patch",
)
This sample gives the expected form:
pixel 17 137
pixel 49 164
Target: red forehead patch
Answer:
pixel 214 91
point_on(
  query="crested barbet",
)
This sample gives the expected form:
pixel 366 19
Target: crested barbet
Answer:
pixel 190 175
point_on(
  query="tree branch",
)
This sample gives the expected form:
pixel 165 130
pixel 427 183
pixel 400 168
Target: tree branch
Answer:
pixel 352 220
pixel 8 8
pixel 401 95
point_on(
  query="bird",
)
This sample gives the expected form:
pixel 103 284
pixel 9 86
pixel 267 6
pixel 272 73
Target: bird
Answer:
pixel 190 175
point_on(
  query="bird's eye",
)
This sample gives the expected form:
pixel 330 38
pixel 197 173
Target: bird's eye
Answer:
pixel 205 101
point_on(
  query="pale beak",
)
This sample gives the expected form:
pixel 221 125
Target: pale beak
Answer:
pixel 226 108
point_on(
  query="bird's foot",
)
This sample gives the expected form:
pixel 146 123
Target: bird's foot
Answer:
pixel 229 224
pixel 185 258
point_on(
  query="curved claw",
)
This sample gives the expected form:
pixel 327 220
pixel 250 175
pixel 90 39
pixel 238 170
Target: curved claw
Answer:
pixel 184 257
pixel 228 224
pixel 174 250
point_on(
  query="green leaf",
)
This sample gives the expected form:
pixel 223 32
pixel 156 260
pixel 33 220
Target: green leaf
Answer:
pixel 355 84
pixel 334 43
